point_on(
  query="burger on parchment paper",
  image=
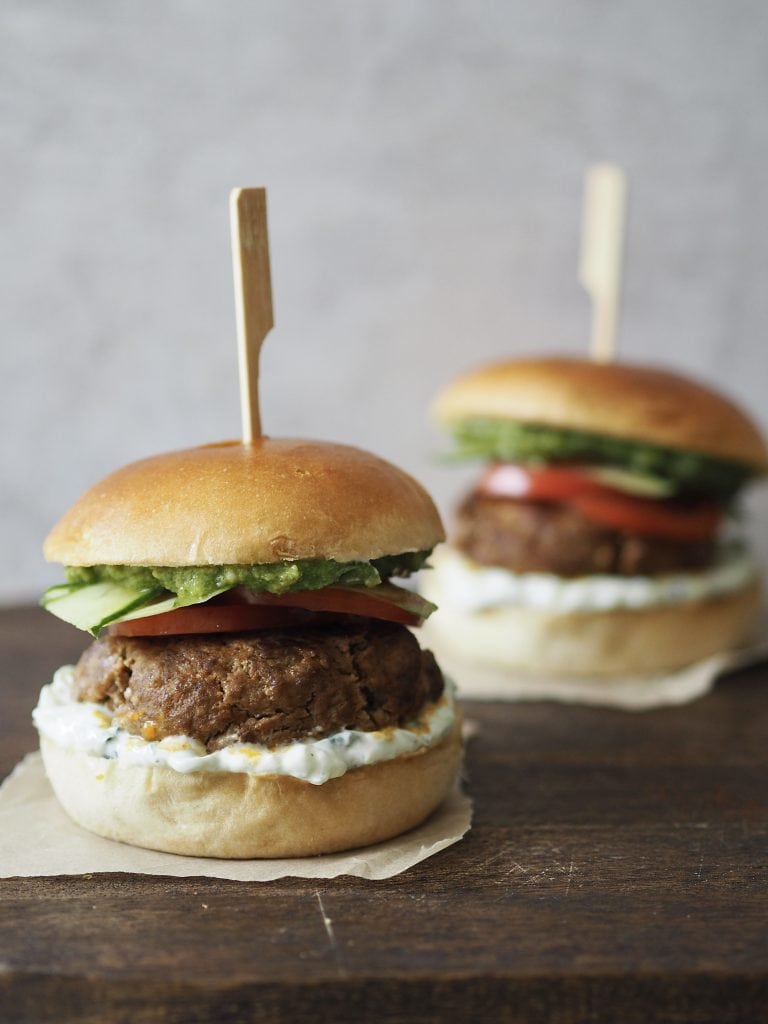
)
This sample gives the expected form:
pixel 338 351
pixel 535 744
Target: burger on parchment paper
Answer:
pixel 599 539
pixel 252 690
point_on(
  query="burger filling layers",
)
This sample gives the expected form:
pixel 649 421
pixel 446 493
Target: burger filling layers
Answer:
pixel 309 682
pixel 573 504
pixel 91 728
pixel 96 596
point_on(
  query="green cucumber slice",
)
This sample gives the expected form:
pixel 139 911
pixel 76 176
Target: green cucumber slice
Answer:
pixel 97 604
pixel 403 598
pixel 167 604
pixel 59 590
pixel 641 484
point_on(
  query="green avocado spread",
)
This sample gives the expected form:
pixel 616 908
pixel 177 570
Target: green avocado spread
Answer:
pixel 195 583
pixel 510 441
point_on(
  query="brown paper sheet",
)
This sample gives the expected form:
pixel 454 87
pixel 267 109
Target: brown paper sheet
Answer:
pixel 37 838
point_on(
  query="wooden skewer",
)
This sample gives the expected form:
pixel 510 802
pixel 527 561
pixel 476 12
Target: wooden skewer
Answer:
pixel 253 296
pixel 601 255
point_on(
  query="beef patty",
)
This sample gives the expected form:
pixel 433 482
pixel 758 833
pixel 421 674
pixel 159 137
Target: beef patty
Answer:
pixel 538 536
pixel 268 688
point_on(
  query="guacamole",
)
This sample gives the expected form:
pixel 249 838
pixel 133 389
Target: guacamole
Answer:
pixel 196 583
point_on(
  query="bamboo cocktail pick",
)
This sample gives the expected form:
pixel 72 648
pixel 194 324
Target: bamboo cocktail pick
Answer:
pixel 253 296
pixel 602 252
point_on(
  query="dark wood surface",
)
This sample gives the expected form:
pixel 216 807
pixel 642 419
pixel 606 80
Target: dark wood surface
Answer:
pixel 617 871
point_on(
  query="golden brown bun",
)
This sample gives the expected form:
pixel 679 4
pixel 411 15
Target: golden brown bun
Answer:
pixel 236 815
pixel 599 644
pixel 640 403
pixel 235 504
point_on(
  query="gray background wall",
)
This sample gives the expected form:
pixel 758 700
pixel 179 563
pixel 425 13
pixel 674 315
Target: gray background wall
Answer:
pixel 424 160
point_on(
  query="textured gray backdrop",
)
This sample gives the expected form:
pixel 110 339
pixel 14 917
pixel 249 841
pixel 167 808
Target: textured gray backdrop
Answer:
pixel 424 160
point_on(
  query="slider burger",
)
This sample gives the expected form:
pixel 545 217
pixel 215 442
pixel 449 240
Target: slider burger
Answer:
pixel 253 689
pixel 593 542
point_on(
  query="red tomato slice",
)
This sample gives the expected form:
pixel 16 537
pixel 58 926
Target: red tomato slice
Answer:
pixel 671 518
pixel 550 483
pixel 241 610
pixel 213 618
pixel 346 600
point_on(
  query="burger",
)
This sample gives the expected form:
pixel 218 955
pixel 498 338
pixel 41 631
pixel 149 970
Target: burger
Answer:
pixel 254 688
pixel 601 537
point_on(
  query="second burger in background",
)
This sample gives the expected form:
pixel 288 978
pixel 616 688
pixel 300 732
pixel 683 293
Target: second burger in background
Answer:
pixel 593 543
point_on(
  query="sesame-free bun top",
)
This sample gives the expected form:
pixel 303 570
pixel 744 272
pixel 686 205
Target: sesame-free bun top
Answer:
pixel 230 503
pixel 638 403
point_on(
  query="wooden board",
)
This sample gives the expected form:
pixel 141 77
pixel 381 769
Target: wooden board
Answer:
pixel 617 872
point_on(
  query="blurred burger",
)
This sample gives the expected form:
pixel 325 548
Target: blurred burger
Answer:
pixel 253 690
pixel 593 543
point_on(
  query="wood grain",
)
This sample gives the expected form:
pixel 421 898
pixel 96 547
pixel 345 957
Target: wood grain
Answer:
pixel 617 872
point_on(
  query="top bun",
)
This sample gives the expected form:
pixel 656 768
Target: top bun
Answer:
pixel 229 503
pixel 638 403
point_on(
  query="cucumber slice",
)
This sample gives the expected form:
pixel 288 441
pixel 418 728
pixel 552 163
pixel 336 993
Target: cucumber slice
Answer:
pixel 59 590
pixel 167 604
pixel 641 484
pixel 403 598
pixel 93 606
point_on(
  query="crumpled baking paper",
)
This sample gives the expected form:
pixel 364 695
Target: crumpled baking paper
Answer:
pixel 37 838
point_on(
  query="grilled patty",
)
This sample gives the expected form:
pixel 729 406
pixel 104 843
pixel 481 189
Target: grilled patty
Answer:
pixel 267 687
pixel 538 536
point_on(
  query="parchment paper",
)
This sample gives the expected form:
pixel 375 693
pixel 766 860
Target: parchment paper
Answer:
pixel 37 838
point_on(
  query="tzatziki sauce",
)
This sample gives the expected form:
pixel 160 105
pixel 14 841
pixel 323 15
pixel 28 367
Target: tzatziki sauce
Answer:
pixel 459 583
pixel 90 728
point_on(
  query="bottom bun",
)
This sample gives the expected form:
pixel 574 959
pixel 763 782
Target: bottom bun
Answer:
pixel 236 815
pixel 615 643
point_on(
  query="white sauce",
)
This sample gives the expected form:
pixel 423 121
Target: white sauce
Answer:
pixel 461 584
pixel 90 728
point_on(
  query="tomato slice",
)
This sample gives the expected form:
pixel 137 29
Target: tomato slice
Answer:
pixel 550 483
pixel 241 610
pixel 671 518
pixel 346 600
pixel 214 618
